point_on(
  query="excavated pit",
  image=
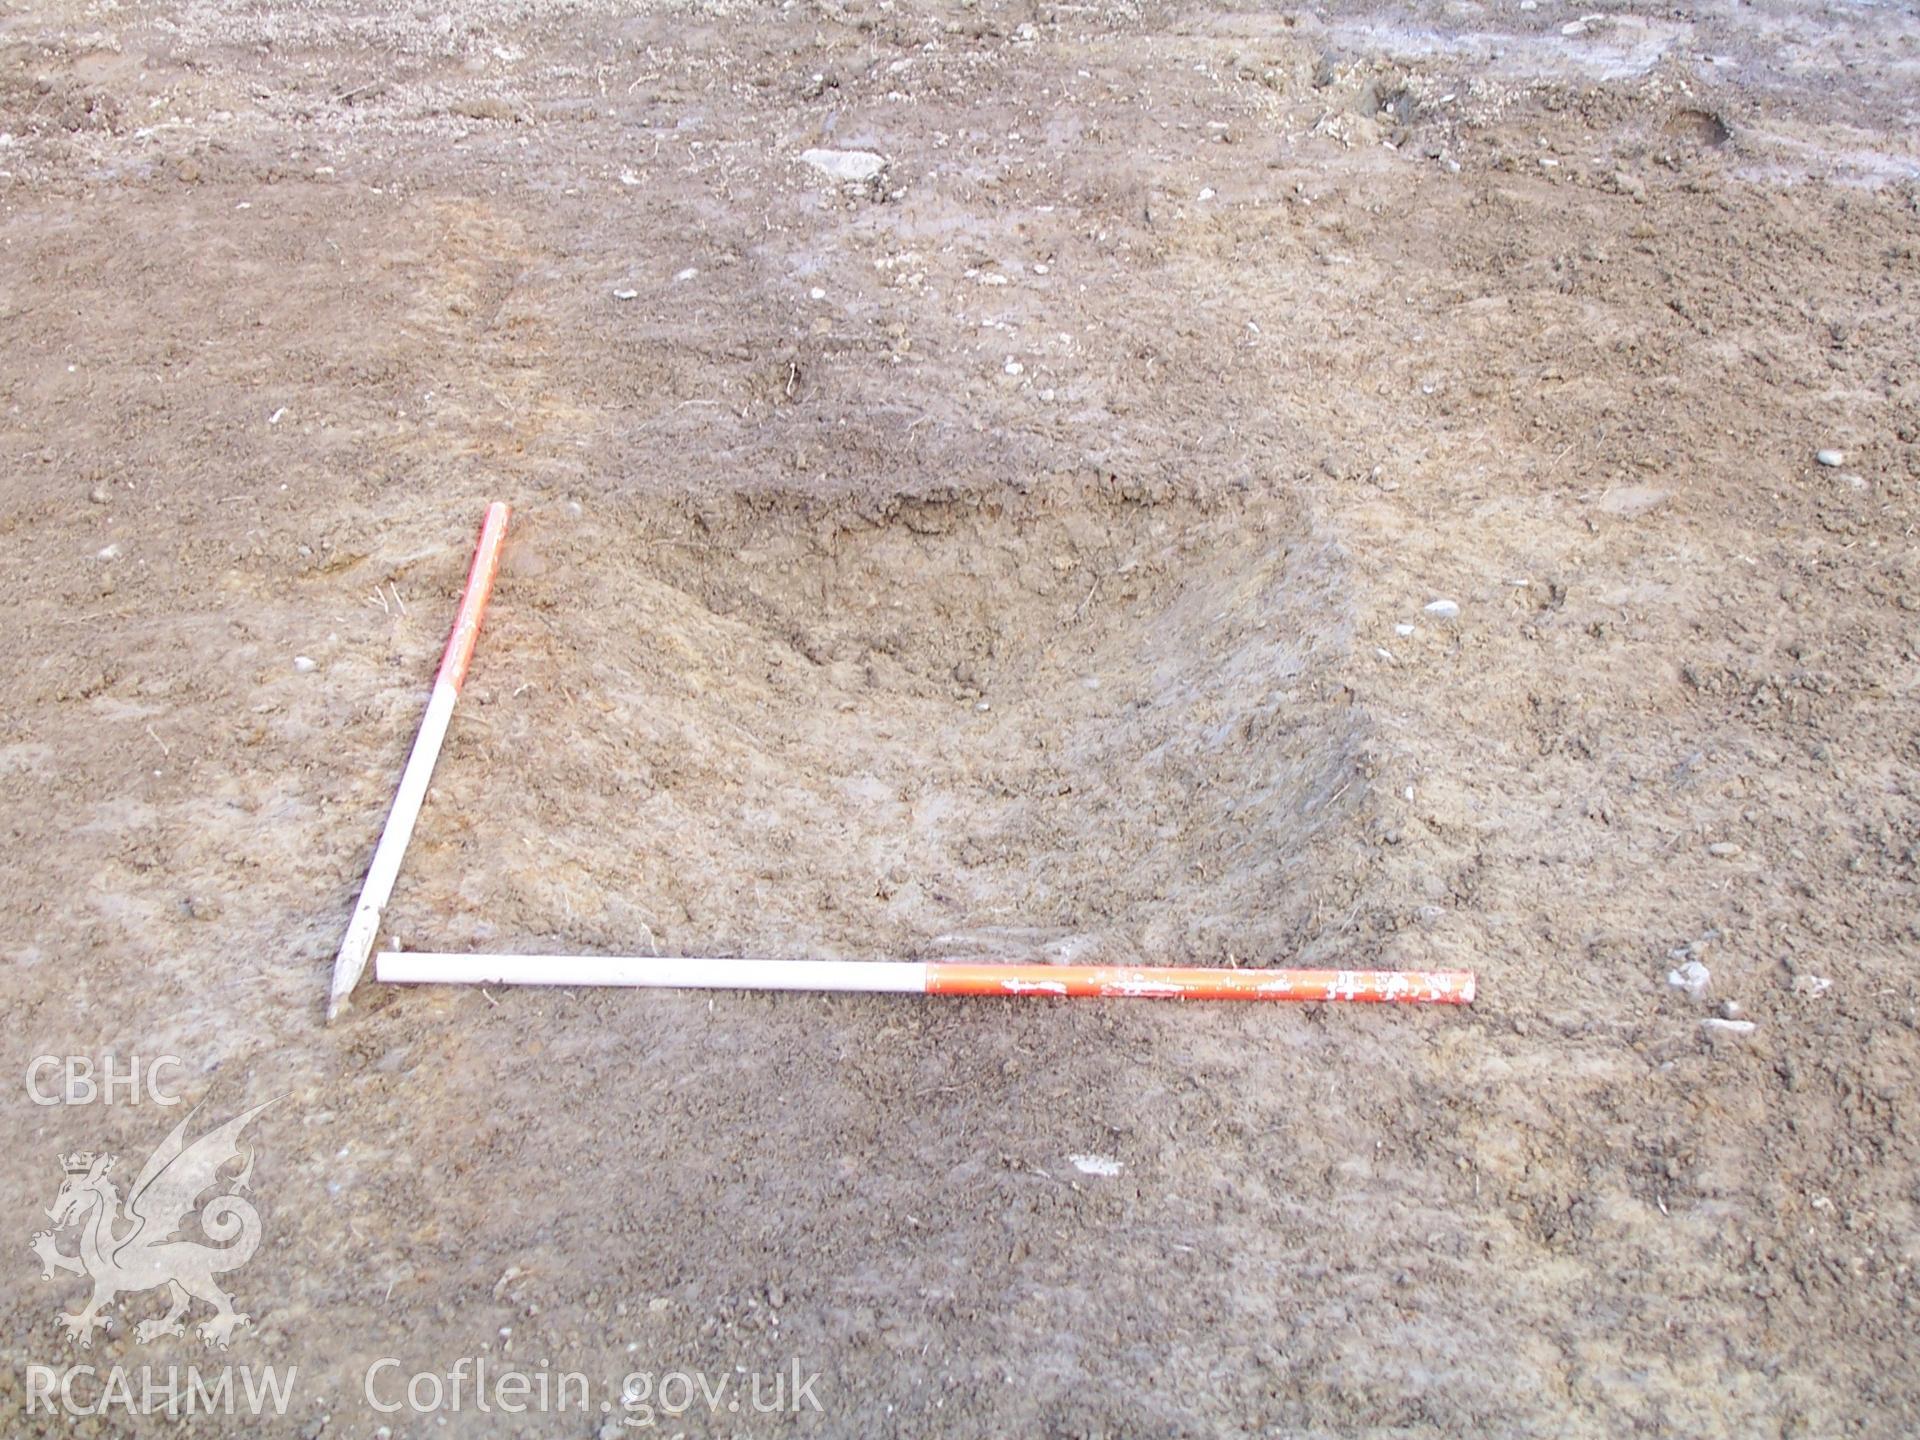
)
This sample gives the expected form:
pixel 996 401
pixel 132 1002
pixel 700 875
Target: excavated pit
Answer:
pixel 1084 729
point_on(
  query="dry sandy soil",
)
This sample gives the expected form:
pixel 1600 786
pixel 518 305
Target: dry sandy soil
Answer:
pixel 1021 554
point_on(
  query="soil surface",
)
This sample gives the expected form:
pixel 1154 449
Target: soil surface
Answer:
pixel 1012 533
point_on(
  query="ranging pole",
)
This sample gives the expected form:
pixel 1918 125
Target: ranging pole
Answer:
pixel 899 977
pixel 365 926
pixel 903 977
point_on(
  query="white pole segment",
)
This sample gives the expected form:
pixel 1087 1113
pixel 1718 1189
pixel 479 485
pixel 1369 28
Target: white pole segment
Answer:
pixel 392 849
pixel 890 977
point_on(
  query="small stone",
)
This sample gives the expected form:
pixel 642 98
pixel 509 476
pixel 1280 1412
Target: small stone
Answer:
pixel 1811 987
pixel 1716 1026
pixel 1693 978
pixel 1832 459
pixel 626 294
pixel 305 664
pixel 1723 850
pixel 99 495
pixel 1732 1010
pixel 1403 631
pixel 108 552
pixel 1443 609
pixel 850 165
pixel 776 1297
pixel 1630 502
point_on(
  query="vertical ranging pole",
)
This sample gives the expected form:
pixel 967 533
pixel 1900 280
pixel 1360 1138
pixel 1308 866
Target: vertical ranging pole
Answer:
pixel 365 926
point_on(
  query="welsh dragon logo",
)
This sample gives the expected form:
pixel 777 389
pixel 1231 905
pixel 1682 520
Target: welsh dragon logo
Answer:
pixel 133 1247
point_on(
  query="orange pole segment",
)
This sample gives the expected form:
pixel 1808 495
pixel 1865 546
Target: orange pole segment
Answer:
pixel 1171 982
pixel 473 604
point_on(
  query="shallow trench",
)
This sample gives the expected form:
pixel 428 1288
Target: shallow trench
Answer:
pixel 1070 728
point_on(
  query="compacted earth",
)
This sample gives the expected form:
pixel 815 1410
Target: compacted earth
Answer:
pixel 1417 487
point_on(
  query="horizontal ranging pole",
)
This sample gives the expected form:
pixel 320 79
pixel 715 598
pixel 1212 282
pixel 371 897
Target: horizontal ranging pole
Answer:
pixel 905 977
pixel 387 855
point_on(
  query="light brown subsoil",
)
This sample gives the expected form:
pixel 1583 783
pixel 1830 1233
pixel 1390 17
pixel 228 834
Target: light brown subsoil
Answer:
pixel 1020 555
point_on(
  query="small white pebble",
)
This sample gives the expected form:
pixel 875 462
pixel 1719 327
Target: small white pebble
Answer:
pixel 1832 459
pixel 687 274
pixel 1693 978
pixel 1014 367
pixel 1104 1166
pixel 1443 609
pixel 626 294
pixel 304 663
pixel 816 293
pixel 1728 1027
pixel 1207 194
pixel 1723 850
pixel 1403 631
pixel 110 552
